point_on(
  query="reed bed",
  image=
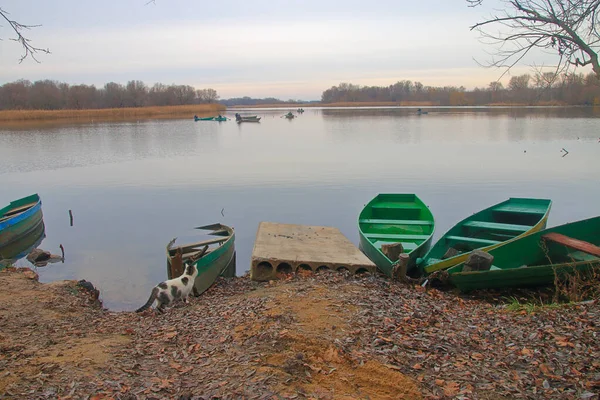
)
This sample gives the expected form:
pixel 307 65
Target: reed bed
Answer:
pixel 112 113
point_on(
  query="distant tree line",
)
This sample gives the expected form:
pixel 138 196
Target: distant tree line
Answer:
pixel 53 95
pixel 542 88
pixel 249 101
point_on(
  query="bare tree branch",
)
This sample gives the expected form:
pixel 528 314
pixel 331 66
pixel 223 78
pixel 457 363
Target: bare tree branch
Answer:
pixel 567 28
pixel 18 28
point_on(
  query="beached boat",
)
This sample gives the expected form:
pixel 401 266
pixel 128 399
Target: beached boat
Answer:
pixel 217 257
pixel 395 218
pixel 19 218
pixel 535 259
pixel 18 249
pixel 486 230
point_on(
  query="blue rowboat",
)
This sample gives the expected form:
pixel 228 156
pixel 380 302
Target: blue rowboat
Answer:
pixel 19 218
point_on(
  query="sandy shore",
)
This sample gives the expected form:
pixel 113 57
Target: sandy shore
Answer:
pixel 328 336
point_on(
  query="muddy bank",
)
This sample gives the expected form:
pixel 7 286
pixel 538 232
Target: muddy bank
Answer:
pixel 328 336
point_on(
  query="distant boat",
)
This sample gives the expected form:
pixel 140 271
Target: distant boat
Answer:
pixel 419 111
pixel 247 118
pixel 221 118
pixel 289 115
pixel 19 218
pixel 536 259
pixel 300 110
pixel 486 230
pixel 395 218
pixel 203 119
pixel 217 257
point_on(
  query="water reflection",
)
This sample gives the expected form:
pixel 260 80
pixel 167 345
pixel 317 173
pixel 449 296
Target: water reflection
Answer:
pixel 20 248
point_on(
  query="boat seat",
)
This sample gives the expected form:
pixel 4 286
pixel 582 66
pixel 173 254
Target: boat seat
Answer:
pixel 395 222
pixel 396 236
pixel 582 256
pixel 521 209
pixel 471 240
pixel 406 246
pixel 496 226
pixel 393 204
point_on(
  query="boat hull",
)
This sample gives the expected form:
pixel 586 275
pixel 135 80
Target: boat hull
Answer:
pixel 395 218
pixel 13 227
pixel 487 230
pixel 218 261
pixel 532 261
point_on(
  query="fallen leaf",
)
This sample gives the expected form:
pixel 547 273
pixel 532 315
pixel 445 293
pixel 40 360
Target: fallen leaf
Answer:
pixel 451 389
pixel 170 335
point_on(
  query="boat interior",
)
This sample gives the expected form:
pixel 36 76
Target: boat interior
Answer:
pixel 490 227
pixel 397 219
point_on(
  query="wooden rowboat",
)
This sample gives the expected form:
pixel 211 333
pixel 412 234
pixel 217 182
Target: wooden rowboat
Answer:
pixel 217 257
pixel 395 218
pixel 537 259
pixel 19 218
pixel 246 118
pixel 486 230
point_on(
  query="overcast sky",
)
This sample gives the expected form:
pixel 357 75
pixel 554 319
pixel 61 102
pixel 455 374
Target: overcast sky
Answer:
pixel 258 48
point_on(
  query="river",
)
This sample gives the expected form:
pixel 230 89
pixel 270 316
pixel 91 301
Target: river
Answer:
pixel 133 186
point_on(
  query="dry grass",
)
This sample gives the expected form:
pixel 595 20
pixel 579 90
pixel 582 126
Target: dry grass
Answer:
pixel 575 285
pixel 111 113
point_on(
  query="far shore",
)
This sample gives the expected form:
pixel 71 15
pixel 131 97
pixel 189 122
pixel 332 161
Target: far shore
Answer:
pixel 342 104
pixel 33 117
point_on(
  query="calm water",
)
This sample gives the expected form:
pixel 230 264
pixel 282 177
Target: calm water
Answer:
pixel 133 186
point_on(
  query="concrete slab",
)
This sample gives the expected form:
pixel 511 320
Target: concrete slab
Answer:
pixel 287 248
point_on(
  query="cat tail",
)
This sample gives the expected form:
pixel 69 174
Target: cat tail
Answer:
pixel 150 300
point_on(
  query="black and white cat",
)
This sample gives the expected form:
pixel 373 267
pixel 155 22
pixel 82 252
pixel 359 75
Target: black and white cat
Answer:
pixel 167 292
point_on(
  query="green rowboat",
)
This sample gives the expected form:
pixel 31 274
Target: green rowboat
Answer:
pixel 19 218
pixel 203 119
pixel 218 260
pixel 219 118
pixel 395 218
pixel 486 230
pixel 535 259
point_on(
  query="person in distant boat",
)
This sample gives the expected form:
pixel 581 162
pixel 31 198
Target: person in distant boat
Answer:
pixel 195 117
